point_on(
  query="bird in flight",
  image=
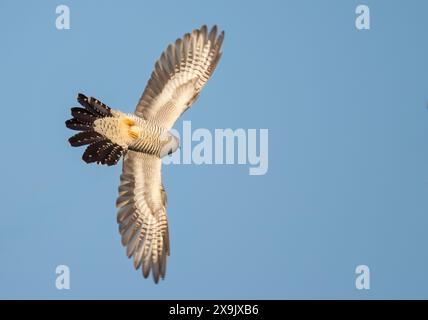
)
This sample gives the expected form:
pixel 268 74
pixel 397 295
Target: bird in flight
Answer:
pixel 143 138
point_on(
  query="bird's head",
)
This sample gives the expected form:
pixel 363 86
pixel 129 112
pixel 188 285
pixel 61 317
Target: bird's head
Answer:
pixel 170 144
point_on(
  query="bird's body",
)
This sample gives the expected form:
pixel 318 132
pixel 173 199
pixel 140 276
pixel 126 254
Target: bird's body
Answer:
pixel 143 139
pixel 134 133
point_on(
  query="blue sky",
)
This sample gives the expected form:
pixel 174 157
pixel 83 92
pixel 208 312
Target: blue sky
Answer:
pixel 348 154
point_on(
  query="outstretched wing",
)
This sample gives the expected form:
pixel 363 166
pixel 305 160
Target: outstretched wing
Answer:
pixel 142 216
pixel 179 76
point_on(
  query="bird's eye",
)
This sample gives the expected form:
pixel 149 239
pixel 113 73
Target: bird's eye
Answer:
pixel 170 152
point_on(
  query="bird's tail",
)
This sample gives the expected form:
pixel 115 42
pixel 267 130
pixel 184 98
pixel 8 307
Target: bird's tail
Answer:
pixel 101 149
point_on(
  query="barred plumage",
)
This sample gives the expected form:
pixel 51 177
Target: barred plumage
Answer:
pixel 183 68
pixel 143 138
pixel 139 225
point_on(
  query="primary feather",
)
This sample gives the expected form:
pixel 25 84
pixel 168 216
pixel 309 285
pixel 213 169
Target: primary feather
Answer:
pixel 177 79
